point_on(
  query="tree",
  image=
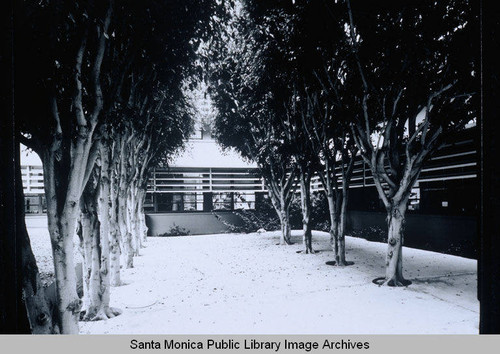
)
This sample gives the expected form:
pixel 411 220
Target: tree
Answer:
pixel 330 139
pixel 145 122
pixel 304 156
pixel 69 41
pixel 415 67
pixel 24 307
pixel 249 87
pixel 159 121
pixel 69 54
pixel 13 319
pixel 95 291
pixel 31 310
pixel 278 170
pixel 321 52
pixel 308 55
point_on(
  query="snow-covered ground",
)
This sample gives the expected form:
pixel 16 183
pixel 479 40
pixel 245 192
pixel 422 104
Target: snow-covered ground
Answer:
pixel 246 284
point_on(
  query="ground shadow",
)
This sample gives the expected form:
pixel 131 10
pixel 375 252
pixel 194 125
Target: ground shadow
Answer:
pixel 334 263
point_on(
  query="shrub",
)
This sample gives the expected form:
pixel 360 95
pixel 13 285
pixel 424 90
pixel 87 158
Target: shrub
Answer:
pixel 252 220
pixel 320 215
pixel 175 230
pixel 265 216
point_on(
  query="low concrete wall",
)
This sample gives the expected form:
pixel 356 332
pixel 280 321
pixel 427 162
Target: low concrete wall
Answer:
pixel 197 223
pixel 441 233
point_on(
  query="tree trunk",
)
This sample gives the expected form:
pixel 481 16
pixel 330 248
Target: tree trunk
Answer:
pixel 285 237
pixel 334 229
pixel 305 194
pixel 139 218
pixel 61 225
pixel 137 224
pixel 38 307
pixel 127 250
pixel 123 219
pixel 114 237
pixel 92 300
pixel 61 229
pixel 125 237
pixel 94 236
pixel 132 219
pixel 39 310
pixel 62 214
pixel 394 258
pixel 13 316
pixel 341 258
pixel 281 208
pixel 103 208
pixel 115 246
pixel 143 229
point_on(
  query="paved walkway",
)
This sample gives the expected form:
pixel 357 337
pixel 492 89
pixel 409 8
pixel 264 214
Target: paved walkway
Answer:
pixel 246 284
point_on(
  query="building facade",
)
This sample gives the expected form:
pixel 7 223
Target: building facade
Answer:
pixel 204 184
pixel 204 178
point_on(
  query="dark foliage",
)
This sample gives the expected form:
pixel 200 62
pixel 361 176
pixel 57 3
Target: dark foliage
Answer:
pixel 175 230
pixel 264 217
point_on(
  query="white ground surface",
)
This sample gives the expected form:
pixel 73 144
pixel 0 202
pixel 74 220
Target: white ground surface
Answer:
pixel 246 284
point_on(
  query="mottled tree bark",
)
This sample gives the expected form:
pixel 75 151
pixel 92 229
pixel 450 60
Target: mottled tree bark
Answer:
pixel 90 247
pixel 61 224
pixel 394 258
pixel 305 197
pixel 95 243
pixel 342 201
pixel 132 218
pixel 123 224
pixel 114 230
pixel 286 233
pixel 115 240
pixel 143 229
pixel 334 229
pixel 281 193
pixel 341 258
pixel 103 212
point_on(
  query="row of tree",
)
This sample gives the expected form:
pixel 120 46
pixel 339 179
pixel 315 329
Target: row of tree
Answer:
pixel 301 87
pixel 101 98
pixel 304 87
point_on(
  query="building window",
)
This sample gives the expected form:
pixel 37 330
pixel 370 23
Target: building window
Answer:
pixel 193 202
pixel 177 202
pixel 244 200
pixel 222 201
